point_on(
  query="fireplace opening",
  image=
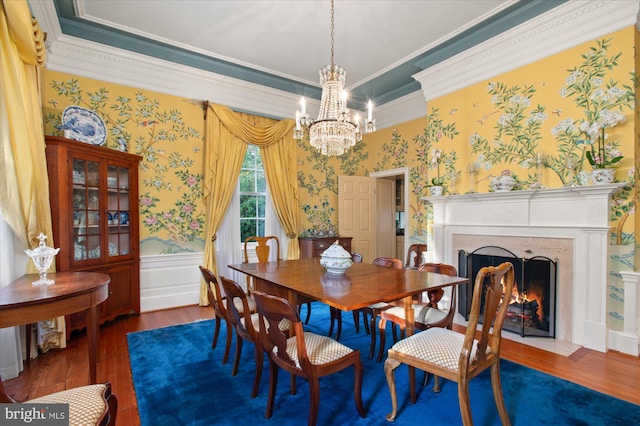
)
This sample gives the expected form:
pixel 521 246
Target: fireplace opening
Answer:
pixel 532 304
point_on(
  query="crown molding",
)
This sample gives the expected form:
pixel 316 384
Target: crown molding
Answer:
pixel 45 13
pixel 93 60
pixel 100 62
pixel 401 110
pixel 561 28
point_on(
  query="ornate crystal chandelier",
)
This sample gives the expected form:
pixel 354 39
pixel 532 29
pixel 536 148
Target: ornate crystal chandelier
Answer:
pixel 334 131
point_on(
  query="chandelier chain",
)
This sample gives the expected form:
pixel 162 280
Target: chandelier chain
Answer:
pixel 332 29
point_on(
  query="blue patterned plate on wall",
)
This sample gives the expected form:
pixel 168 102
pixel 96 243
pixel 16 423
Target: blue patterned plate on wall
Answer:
pixel 83 125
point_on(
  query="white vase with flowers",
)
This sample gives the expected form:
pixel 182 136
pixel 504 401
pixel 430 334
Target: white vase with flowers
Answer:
pixel 601 155
pixel 438 183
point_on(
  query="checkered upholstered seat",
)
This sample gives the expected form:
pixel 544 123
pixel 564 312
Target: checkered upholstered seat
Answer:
pixel 421 313
pixel 88 405
pixel 438 346
pixel 301 353
pixel 320 349
pixel 460 357
pixel 240 307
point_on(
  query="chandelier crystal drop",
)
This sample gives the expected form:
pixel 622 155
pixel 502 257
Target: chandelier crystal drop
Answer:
pixel 335 130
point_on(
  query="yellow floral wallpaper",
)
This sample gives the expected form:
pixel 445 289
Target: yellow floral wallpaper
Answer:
pixel 166 131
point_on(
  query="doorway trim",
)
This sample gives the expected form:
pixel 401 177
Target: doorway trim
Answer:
pixel 395 172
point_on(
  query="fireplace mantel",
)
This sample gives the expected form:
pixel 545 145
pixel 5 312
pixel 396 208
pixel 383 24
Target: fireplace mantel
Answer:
pixel 579 214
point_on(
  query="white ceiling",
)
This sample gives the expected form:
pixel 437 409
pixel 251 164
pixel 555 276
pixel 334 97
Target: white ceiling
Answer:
pixel 292 38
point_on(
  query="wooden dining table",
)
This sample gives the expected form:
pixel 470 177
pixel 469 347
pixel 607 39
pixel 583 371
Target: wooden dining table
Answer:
pixel 363 284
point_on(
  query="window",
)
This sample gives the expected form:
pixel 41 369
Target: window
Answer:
pixel 253 195
pixel 250 213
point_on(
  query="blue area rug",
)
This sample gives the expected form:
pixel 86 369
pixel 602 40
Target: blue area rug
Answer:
pixel 180 380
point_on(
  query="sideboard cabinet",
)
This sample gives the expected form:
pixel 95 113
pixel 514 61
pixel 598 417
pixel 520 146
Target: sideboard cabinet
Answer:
pixel 94 207
pixel 314 246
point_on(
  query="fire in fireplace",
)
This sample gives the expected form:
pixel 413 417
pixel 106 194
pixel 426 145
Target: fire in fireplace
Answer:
pixel 531 310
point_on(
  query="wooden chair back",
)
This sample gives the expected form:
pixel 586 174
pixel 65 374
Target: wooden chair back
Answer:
pixel 439 268
pixel 273 310
pixel 414 255
pixel 263 249
pixel 214 294
pixel 243 323
pixel 492 282
pixel 436 295
pixel 388 262
pixel 240 321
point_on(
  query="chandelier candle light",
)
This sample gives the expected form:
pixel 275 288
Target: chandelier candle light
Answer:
pixel 334 131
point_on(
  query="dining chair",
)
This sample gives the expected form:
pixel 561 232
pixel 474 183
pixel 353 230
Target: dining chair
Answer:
pixel 219 304
pixel 460 357
pixel 303 354
pixel 415 256
pixel 88 405
pixel 336 314
pixel 374 310
pixel 263 250
pixel 425 314
pixel 247 327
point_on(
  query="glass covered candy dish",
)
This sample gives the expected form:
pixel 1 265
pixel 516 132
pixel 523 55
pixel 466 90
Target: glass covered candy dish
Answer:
pixel 42 256
pixel 336 259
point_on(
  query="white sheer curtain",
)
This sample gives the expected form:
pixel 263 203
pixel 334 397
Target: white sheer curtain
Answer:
pixel 13 262
pixel 229 248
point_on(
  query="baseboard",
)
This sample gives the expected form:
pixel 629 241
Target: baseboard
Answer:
pixel 169 280
pixel 595 336
pixel 624 342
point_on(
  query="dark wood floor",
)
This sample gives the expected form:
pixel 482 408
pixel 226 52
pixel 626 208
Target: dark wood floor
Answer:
pixel 611 373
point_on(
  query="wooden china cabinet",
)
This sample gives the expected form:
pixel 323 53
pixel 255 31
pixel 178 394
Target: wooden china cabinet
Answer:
pixel 94 208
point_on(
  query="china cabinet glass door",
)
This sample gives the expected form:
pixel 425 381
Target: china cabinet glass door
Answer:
pixel 118 210
pixel 86 210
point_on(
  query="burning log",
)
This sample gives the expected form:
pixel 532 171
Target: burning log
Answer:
pixel 526 309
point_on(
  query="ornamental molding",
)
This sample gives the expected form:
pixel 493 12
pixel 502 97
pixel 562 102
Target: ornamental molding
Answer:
pixel 561 28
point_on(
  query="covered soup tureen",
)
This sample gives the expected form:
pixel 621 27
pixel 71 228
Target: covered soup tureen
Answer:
pixel 336 259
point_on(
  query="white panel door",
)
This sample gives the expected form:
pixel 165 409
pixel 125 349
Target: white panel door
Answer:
pixel 385 213
pixel 356 213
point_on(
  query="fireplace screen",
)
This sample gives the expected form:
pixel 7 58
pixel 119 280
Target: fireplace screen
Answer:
pixel 532 304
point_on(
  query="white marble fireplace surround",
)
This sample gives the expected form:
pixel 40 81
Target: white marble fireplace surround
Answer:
pixel 570 225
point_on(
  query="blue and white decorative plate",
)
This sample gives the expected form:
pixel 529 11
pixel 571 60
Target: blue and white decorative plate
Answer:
pixel 83 125
pixel 124 218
